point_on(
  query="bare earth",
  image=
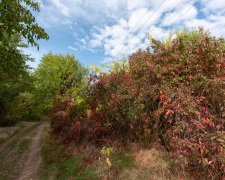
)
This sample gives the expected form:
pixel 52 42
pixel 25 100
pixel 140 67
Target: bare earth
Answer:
pixel 20 156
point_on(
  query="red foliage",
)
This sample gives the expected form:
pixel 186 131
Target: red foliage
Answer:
pixel 175 96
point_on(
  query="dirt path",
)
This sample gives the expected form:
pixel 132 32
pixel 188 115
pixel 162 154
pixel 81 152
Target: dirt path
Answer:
pixel 20 156
pixel 5 144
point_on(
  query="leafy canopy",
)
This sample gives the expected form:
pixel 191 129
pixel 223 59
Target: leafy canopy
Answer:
pixel 13 14
pixel 16 19
pixel 62 74
pixel 15 64
pixel 115 67
pixel 11 109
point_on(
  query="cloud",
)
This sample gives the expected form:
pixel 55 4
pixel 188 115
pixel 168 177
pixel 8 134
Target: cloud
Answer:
pixel 72 48
pixel 213 6
pixel 81 30
pixel 112 26
pixel 83 41
pixel 68 22
pixel 187 12
pixel 61 7
pixel 121 38
pixel 85 46
pixel 95 43
pixel 107 60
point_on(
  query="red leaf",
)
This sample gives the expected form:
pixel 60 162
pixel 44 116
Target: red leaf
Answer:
pixel 197 112
pixel 134 157
pixel 202 151
pixel 202 97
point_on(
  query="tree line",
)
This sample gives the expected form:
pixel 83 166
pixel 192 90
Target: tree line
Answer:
pixel 25 95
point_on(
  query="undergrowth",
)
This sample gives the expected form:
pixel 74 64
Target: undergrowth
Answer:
pixel 87 162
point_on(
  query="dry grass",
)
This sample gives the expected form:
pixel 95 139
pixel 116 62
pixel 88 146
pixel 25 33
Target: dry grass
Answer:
pixel 136 160
pixel 7 132
pixel 136 163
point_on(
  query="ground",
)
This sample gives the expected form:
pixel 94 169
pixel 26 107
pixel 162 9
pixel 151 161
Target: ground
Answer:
pixel 20 155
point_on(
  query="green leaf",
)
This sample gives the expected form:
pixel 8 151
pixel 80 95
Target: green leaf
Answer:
pixel 190 109
pixel 185 161
pixel 221 140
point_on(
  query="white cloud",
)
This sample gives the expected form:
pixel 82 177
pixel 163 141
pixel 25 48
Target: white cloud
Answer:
pixel 95 43
pixel 72 48
pixel 186 13
pixel 134 4
pixel 113 36
pixel 213 6
pixel 61 7
pixel 66 21
pixel 83 41
pixel 107 60
pixel 105 24
pixel 81 30
pixel 85 46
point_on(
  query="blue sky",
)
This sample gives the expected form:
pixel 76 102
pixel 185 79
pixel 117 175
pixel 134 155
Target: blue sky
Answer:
pixel 94 30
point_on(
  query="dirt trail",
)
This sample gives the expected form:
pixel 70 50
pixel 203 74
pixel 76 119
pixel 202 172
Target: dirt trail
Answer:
pixel 20 156
pixel 30 169
pixel 5 144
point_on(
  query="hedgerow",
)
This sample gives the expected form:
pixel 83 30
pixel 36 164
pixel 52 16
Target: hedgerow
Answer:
pixel 174 97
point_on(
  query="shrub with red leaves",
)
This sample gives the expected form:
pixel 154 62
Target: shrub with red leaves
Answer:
pixel 176 95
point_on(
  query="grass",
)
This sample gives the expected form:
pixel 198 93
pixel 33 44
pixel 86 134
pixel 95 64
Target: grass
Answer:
pixel 2 140
pixel 18 126
pixel 60 162
pixel 21 125
pixel 10 145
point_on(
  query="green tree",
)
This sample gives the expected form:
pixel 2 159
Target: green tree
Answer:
pixel 62 74
pixel 16 99
pixel 8 68
pixel 16 19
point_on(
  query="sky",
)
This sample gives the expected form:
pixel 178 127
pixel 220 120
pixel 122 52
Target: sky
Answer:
pixel 98 31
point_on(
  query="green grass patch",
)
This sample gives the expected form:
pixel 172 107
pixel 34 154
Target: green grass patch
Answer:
pixel 2 140
pixel 21 125
pixel 122 160
pixel 60 164
pixel 25 143
pixel 11 145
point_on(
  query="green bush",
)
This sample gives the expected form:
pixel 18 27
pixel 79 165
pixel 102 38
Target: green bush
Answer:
pixel 26 109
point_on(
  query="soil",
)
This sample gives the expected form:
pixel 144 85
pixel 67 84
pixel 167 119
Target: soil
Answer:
pixel 20 156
